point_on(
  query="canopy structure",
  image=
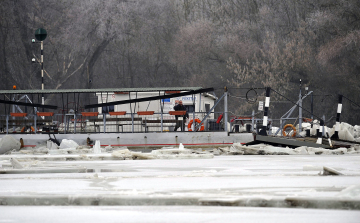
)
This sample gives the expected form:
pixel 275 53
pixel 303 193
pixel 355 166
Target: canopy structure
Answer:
pixel 102 115
pixel 7 95
pixel 59 91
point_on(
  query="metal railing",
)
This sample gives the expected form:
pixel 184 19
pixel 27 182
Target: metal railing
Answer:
pixel 104 123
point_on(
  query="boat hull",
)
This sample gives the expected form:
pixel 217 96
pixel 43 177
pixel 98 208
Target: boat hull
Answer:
pixel 143 140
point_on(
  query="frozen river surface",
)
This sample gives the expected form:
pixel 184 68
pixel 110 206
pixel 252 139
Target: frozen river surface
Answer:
pixel 254 188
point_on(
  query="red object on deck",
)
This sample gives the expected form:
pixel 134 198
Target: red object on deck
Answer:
pixel 177 112
pixel 45 113
pixel 18 114
pixel 118 113
pixel 89 113
pixel 145 112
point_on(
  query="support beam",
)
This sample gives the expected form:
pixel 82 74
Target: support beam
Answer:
pixel 209 112
pixel 28 104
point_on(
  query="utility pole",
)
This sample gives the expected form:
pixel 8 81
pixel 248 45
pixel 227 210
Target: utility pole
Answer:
pixel 40 35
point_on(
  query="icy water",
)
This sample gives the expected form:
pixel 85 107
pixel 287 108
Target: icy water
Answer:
pixel 241 188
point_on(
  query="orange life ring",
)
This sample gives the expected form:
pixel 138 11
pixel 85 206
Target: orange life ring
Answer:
pixel 198 121
pixel 32 129
pixel 291 126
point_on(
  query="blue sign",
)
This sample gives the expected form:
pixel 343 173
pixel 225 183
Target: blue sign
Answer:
pixel 166 100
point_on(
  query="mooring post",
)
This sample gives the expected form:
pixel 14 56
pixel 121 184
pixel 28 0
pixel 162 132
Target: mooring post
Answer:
pixel 320 132
pixel 225 110
pixel 337 125
pixel 266 112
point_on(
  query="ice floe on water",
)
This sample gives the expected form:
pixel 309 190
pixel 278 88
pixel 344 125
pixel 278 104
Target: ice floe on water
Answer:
pixel 66 143
pixel 263 149
pixel 346 131
pixel 10 146
pixel 70 150
pixel 164 153
pixel 223 176
pixel 8 143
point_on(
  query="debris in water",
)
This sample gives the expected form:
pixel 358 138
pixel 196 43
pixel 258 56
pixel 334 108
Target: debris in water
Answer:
pixel 16 164
pixel 330 171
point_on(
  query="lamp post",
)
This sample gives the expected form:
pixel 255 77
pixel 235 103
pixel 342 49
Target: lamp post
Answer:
pixel 40 35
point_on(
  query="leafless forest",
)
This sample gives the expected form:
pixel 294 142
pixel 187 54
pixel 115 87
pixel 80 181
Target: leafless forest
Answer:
pixel 208 43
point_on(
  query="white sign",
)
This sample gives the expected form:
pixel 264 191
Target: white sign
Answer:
pixel 261 106
pixel 187 98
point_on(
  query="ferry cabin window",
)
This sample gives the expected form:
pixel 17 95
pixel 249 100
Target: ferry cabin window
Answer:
pixel 107 109
pixel 190 108
pixel 207 107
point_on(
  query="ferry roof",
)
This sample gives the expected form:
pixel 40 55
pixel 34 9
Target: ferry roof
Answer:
pixel 174 92
pixel 59 91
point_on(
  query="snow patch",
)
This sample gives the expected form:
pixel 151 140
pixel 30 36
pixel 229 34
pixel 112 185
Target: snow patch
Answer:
pixel 350 192
pixel 66 143
pixel 263 149
pixel 96 147
pixel 9 143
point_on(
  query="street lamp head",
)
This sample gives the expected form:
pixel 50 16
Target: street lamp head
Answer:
pixel 33 60
pixel 33 40
pixel 40 34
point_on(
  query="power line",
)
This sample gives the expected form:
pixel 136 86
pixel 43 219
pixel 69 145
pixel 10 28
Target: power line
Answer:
pixel 352 101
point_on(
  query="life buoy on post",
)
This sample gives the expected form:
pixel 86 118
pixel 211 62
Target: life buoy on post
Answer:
pixel 287 126
pixel 198 121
